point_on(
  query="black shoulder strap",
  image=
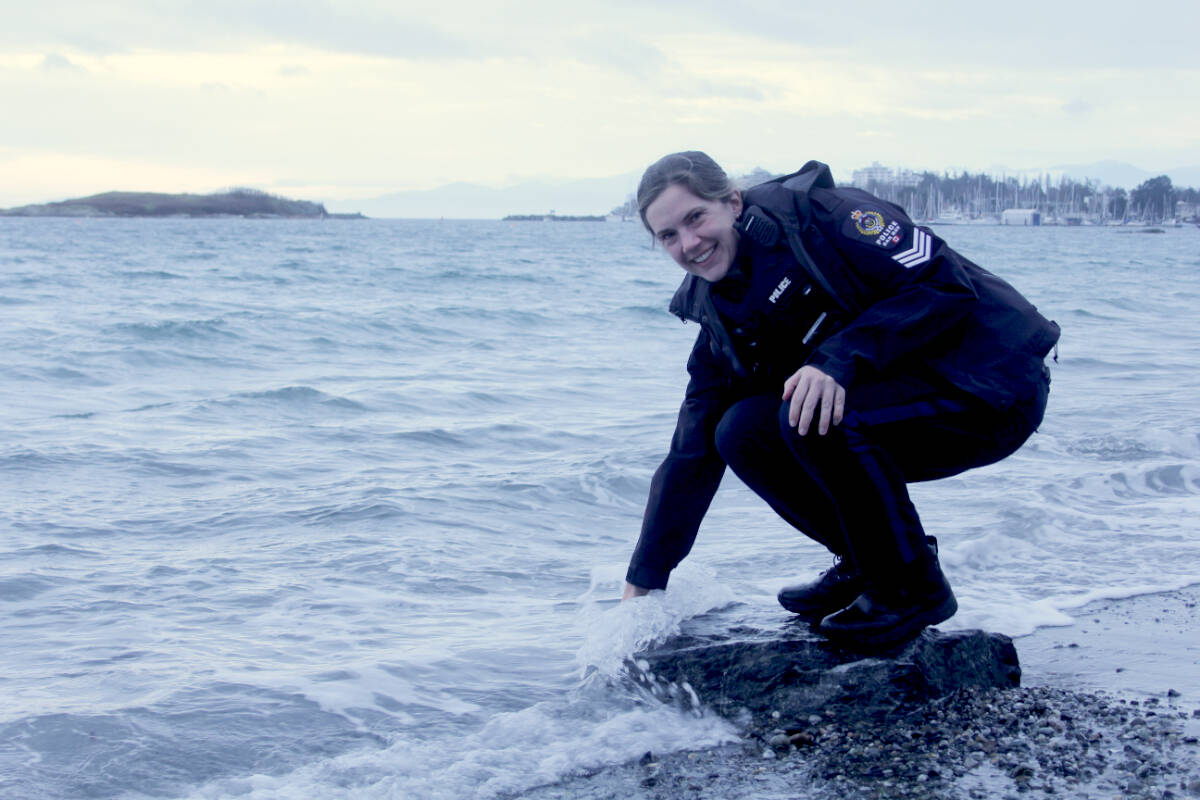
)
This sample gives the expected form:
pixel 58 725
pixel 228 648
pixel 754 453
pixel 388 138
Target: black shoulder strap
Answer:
pixel 787 199
pixel 813 175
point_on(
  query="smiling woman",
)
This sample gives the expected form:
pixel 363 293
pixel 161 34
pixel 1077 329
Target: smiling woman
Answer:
pixel 698 233
pixel 689 205
pixel 843 353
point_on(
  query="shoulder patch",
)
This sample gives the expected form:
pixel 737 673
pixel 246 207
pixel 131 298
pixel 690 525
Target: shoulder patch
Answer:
pixel 870 224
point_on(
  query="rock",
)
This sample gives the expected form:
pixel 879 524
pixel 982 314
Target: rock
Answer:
pixel 802 739
pixel 768 666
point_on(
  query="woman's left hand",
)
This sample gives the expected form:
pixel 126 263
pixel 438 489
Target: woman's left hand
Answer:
pixel 632 591
pixel 809 389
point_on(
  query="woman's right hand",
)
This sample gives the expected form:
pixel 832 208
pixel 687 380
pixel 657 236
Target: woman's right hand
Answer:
pixel 815 396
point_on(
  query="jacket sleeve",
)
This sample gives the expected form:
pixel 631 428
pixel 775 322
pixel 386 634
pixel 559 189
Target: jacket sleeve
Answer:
pixel 915 289
pixel 685 482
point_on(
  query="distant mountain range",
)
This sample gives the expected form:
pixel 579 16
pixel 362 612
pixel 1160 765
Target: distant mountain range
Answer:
pixel 471 201
pixel 599 195
pixel 1118 174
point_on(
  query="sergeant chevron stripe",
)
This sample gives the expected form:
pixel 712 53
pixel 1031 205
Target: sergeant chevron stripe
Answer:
pixel 918 253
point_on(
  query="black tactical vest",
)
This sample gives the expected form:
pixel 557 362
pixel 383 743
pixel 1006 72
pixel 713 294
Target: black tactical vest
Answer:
pixel 772 310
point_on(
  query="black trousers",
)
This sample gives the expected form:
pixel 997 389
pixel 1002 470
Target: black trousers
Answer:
pixel 848 489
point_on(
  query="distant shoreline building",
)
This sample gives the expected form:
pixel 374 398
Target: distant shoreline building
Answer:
pixel 1020 216
pixel 878 174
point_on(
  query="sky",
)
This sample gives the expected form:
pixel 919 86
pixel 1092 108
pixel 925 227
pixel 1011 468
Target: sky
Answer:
pixel 341 100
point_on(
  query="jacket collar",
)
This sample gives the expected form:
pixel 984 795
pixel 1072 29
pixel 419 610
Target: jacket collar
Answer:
pixel 691 299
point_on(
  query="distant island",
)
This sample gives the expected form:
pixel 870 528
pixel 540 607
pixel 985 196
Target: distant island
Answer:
pixel 250 203
pixel 554 218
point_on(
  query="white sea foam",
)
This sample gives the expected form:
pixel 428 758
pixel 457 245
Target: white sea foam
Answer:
pixel 512 752
pixel 616 634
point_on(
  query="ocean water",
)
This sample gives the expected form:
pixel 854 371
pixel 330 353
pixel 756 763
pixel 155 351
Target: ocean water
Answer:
pixel 298 509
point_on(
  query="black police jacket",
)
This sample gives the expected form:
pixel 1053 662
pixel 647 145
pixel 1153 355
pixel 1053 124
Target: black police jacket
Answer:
pixel 897 300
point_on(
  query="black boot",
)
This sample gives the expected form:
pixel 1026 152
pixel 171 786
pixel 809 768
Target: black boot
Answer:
pixel 835 589
pixel 892 611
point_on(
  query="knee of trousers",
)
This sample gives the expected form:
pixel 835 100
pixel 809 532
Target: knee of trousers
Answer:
pixel 813 445
pixel 739 435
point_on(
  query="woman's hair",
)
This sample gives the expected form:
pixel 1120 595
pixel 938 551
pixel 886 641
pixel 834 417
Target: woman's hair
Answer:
pixel 691 169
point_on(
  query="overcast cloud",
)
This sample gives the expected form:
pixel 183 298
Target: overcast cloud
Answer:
pixel 343 100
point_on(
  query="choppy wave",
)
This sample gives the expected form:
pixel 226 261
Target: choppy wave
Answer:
pixel 300 510
pixel 175 329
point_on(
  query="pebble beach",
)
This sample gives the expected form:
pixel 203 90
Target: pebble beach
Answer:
pixel 1062 734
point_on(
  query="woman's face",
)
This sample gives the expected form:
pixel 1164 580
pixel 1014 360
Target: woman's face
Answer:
pixel 697 233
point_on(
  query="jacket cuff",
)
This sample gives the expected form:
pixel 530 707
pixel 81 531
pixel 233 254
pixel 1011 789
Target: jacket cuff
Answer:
pixel 647 577
pixel 835 368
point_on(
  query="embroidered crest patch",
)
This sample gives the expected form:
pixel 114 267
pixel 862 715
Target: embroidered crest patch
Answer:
pixel 868 224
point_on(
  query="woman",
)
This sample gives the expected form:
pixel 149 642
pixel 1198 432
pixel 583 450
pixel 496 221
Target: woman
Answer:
pixel 843 352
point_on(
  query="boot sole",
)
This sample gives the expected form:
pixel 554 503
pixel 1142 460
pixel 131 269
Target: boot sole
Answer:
pixel 812 613
pixel 902 632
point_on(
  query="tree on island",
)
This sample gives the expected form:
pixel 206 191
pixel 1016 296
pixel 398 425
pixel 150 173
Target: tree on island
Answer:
pixel 1155 198
pixel 980 195
pixel 929 196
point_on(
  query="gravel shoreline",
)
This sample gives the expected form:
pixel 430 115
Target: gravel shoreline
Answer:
pixel 1014 744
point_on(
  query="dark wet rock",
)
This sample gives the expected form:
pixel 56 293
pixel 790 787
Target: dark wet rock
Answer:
pixel 784 675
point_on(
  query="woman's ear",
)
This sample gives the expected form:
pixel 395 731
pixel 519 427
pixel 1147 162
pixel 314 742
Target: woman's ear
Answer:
pixel 735 203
